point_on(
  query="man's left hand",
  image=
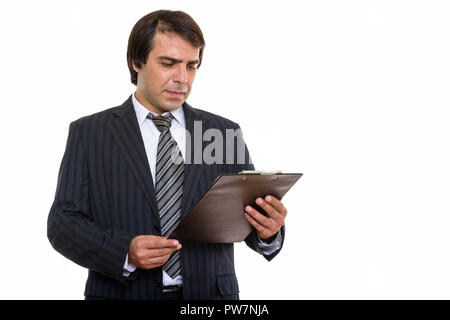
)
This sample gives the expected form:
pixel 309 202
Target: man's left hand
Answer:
pixel 267 227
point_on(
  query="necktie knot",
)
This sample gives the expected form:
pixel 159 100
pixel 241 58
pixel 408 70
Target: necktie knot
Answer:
pixel 161 122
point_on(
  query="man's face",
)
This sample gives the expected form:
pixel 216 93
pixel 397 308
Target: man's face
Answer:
pixel 165 81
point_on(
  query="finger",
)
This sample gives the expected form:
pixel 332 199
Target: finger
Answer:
pixel 151 263
pixel 143 255
pixel 260 218
pixel 154 253
pixel 277 204
pixel 156 242
pixel 259 227
pixel 271 211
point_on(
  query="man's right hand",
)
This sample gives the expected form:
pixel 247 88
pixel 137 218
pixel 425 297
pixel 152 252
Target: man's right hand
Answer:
pixel 148 251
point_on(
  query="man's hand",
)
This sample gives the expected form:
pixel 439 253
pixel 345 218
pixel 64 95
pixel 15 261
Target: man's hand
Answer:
pixel 267 227
pixel 148 251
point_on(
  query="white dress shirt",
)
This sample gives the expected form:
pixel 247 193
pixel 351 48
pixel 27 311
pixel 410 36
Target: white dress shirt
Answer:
pixel 150 135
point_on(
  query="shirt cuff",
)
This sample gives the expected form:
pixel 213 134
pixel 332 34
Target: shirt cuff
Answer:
pixel 269 248
pixel 128 267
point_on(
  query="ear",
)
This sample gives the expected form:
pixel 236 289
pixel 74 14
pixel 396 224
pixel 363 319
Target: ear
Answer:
pixel 136 68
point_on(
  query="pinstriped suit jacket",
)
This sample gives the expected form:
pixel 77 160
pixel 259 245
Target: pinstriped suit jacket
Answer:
pixel 105 197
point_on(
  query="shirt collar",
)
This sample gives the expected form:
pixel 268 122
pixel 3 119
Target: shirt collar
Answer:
pixel 142 112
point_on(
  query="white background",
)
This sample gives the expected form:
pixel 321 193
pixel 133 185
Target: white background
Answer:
pixel 354 94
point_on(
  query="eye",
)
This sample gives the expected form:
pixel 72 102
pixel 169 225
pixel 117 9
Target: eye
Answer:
pixel 192 67
pixel 167 65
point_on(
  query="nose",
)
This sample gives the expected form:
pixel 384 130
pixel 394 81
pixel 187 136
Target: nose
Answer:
pixel 180 74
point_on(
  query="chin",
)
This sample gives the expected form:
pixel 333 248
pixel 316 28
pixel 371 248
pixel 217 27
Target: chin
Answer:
pixel 173 105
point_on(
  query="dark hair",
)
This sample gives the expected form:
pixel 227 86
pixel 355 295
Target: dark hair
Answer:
pixel 141 38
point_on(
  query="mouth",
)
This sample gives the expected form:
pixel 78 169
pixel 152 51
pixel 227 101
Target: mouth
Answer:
pixel 175 94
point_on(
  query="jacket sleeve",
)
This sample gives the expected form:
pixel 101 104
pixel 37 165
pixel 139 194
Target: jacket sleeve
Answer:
pixel 244 162
pixel 70 228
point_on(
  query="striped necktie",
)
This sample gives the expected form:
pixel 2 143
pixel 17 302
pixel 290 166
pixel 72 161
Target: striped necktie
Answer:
pixel 168 185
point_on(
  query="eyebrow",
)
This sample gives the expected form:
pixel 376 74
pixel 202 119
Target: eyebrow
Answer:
pixel 177 60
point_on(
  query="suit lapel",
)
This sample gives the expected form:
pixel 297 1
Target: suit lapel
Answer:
pixel 125 129
pixel 192 171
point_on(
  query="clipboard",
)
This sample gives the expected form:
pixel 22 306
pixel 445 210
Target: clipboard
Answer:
pixel 218 217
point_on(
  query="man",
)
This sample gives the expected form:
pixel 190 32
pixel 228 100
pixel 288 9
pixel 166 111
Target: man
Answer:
pixel 125 181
